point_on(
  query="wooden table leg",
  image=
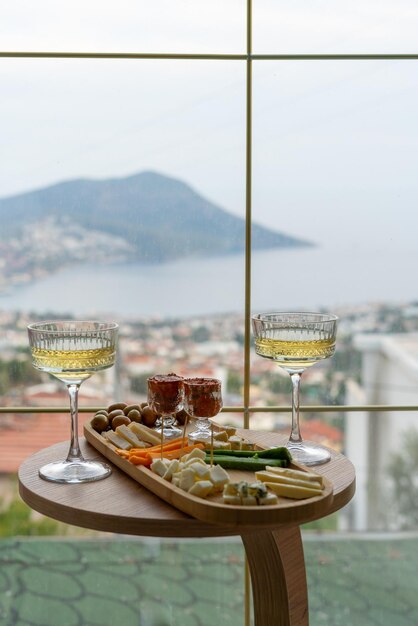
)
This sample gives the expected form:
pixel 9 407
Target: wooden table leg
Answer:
pixel 278 577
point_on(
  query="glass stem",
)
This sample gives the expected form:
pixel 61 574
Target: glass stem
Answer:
pixel 74 452
pixel 295 436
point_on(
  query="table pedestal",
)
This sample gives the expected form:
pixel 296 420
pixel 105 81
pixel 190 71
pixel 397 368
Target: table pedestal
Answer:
pixel 278 576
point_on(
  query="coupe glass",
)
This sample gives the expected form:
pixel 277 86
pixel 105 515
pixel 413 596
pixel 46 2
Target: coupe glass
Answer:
pixel 202 400
pixel 72 351
pixel 165 397
pixel 296 341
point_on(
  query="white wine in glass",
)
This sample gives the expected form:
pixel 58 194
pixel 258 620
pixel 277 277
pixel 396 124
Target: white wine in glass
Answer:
pixel 296 341
pixel 72 351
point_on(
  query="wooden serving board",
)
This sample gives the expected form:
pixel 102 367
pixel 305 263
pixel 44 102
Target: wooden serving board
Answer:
pixel 212 509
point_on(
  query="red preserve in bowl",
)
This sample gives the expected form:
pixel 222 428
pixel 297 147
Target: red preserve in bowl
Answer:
pixel 165 393
pixel 202 396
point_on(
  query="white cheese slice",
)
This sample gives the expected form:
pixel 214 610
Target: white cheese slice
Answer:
pixel 116 440
pixel 124 432
pixel 144 433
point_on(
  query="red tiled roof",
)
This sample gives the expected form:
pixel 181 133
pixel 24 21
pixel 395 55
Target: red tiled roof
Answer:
pixel 316 430
pixel 26 435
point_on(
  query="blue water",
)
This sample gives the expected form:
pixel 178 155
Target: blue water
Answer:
pixel 287 279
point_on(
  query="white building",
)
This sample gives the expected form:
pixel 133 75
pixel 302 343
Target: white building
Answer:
pixel 389 376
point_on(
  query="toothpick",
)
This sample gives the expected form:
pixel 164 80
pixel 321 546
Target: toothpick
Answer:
pixel 162 435
pixel 184 431
pixel 211 444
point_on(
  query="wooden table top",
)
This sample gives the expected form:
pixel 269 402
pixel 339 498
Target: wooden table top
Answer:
pixel 120 505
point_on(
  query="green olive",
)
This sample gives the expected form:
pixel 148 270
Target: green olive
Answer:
pixel 149 417
pixel 114 414
pixel 100 422
pixel 135 416
pixel 119 420
pixel 115 406
pixel 130 407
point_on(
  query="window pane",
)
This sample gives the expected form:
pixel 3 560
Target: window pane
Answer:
pixel 334 154
pixel 123 198
pixel 125 26
pixel 326 27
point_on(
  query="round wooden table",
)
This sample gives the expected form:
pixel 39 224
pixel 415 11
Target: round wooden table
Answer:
pixel 118 504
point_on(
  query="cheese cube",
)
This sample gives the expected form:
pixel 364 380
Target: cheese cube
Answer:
pixel 219 477
pixel 159 466
pixel 249 501
pixel 246 445
pixel 235 442
pixel 229 499
pixel 201 471
pixel 197 453
pixel 194 460
pixel 222 435
pixel 171 469
pixel 201 488
pixel 187 479
pixel 221 445
pixel 270 498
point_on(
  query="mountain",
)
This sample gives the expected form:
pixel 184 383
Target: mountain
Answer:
pixel 145 217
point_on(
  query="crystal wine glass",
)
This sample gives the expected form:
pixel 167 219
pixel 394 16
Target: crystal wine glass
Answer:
pixel 202 400
pixel 296 341
pixel 72 351
pixel 165 397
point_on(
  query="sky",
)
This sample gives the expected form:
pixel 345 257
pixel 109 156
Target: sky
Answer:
pixel 334 144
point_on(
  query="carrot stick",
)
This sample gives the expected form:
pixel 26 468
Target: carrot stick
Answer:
pixel 121 452
pixel 139 460
pixel 172 445
pixel 176 454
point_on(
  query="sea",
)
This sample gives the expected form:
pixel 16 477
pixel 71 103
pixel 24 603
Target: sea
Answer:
pixel 298 278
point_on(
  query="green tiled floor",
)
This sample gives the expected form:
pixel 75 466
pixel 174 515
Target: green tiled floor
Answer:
pixel 129 582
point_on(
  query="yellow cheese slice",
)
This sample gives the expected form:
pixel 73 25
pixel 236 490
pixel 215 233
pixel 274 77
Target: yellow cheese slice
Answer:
pixel 144 433
pixel 271 477
pixel 117 441
pixel 297 474
pixel 290 491
pixel 126 433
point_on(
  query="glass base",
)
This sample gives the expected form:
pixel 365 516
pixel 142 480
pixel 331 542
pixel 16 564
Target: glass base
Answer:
pixel 170 432
pixel 200 435
pixel 308 453
pixel 74 471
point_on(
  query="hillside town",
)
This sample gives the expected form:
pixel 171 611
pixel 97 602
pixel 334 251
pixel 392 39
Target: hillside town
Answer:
pixel 204 346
